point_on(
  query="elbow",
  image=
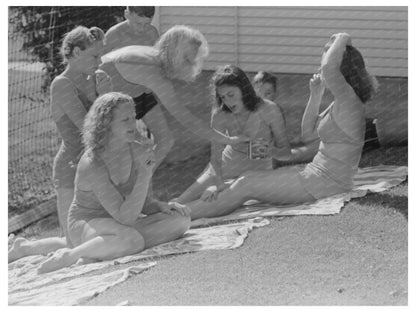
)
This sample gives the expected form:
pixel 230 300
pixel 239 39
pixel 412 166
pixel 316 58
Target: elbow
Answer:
pixel 328 69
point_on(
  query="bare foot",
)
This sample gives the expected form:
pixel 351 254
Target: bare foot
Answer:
pixel 58 260
pixel 17 250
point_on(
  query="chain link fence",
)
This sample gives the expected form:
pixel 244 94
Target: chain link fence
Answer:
pixel 34 38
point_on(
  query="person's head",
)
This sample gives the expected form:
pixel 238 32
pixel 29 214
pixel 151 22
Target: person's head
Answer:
pixel 139 17
pixel 82 46
pixel 182 51
pixel 110 119
pixel 233 91
pixel 265 85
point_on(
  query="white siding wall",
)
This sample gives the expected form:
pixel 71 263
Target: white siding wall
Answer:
pixel 290 39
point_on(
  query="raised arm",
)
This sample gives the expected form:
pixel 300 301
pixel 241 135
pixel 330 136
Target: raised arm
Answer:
pixel 310 119
pixel 331 64
pixel 65 100
pixel 152 78
pixel 348 110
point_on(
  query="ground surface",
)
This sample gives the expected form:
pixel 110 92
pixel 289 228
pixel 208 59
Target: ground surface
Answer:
pixel 358 257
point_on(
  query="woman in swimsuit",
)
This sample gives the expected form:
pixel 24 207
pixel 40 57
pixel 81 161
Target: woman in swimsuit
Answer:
pixel 341 131
pixel 238 111
pixel 72 94
pixel 109 217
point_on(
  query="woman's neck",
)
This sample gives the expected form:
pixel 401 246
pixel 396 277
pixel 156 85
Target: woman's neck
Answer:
pixel 244 114
pixel 73 72
pixel 115 149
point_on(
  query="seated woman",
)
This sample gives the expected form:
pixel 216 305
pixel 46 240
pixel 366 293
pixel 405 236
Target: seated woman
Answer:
pixel 143 71
pixel 341 131
pixel 305 147
pixel 106 219
pixel 238 111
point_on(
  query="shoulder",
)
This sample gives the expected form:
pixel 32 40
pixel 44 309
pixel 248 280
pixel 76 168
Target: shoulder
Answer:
pixel 153 32
pixel 117 29
pixel 220 116
pixel 269 109
pixel 62 86
pixel 61 81
pixel 89 169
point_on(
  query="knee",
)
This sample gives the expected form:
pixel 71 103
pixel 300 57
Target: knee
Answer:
pixel 180 224
pixel 243 183
pixel 132 240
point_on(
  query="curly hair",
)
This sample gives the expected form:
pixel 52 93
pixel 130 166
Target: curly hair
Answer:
pixel 354 71
pixel 97 123
pixel 81 37
pixel 231 75
pixel 174 62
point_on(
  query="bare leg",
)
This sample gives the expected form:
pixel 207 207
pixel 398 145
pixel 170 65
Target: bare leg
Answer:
pixel 23 247
pixel 280 186
pixel 161 228
pixel 103 239
pixel 64 201
pixel 195 191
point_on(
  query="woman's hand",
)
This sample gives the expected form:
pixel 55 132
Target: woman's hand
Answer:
pixel 316 85
pixel 171 207
pixel 210 194
pixel 103 82
pixel 238 139
pixel 147 157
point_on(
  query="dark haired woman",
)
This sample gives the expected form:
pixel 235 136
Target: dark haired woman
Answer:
pixel 237 111
pixel 341 131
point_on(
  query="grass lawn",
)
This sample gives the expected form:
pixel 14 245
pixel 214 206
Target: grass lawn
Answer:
pixel 358 257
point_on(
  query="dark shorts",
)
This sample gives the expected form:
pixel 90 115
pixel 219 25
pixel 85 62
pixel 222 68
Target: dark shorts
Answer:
pixel 144 103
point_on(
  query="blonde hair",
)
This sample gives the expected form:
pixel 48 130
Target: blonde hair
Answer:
pixel 97 123
pixel 81 37
pixel 170 50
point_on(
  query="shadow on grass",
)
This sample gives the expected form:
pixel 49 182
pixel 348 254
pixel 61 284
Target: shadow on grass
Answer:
pixel 387 201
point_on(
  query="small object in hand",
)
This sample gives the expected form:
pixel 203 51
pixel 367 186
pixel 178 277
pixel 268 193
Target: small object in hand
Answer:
pixel 257 149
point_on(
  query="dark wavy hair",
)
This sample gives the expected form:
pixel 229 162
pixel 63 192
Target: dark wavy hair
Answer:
pixel 231 75
pixel 354 71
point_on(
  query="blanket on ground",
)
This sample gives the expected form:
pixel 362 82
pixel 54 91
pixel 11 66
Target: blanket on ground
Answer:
pixel 78 283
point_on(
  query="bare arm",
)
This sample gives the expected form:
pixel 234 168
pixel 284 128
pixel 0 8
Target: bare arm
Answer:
pixel 163 88
pixel 111 40
pixel 348 110
pixel 310 119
